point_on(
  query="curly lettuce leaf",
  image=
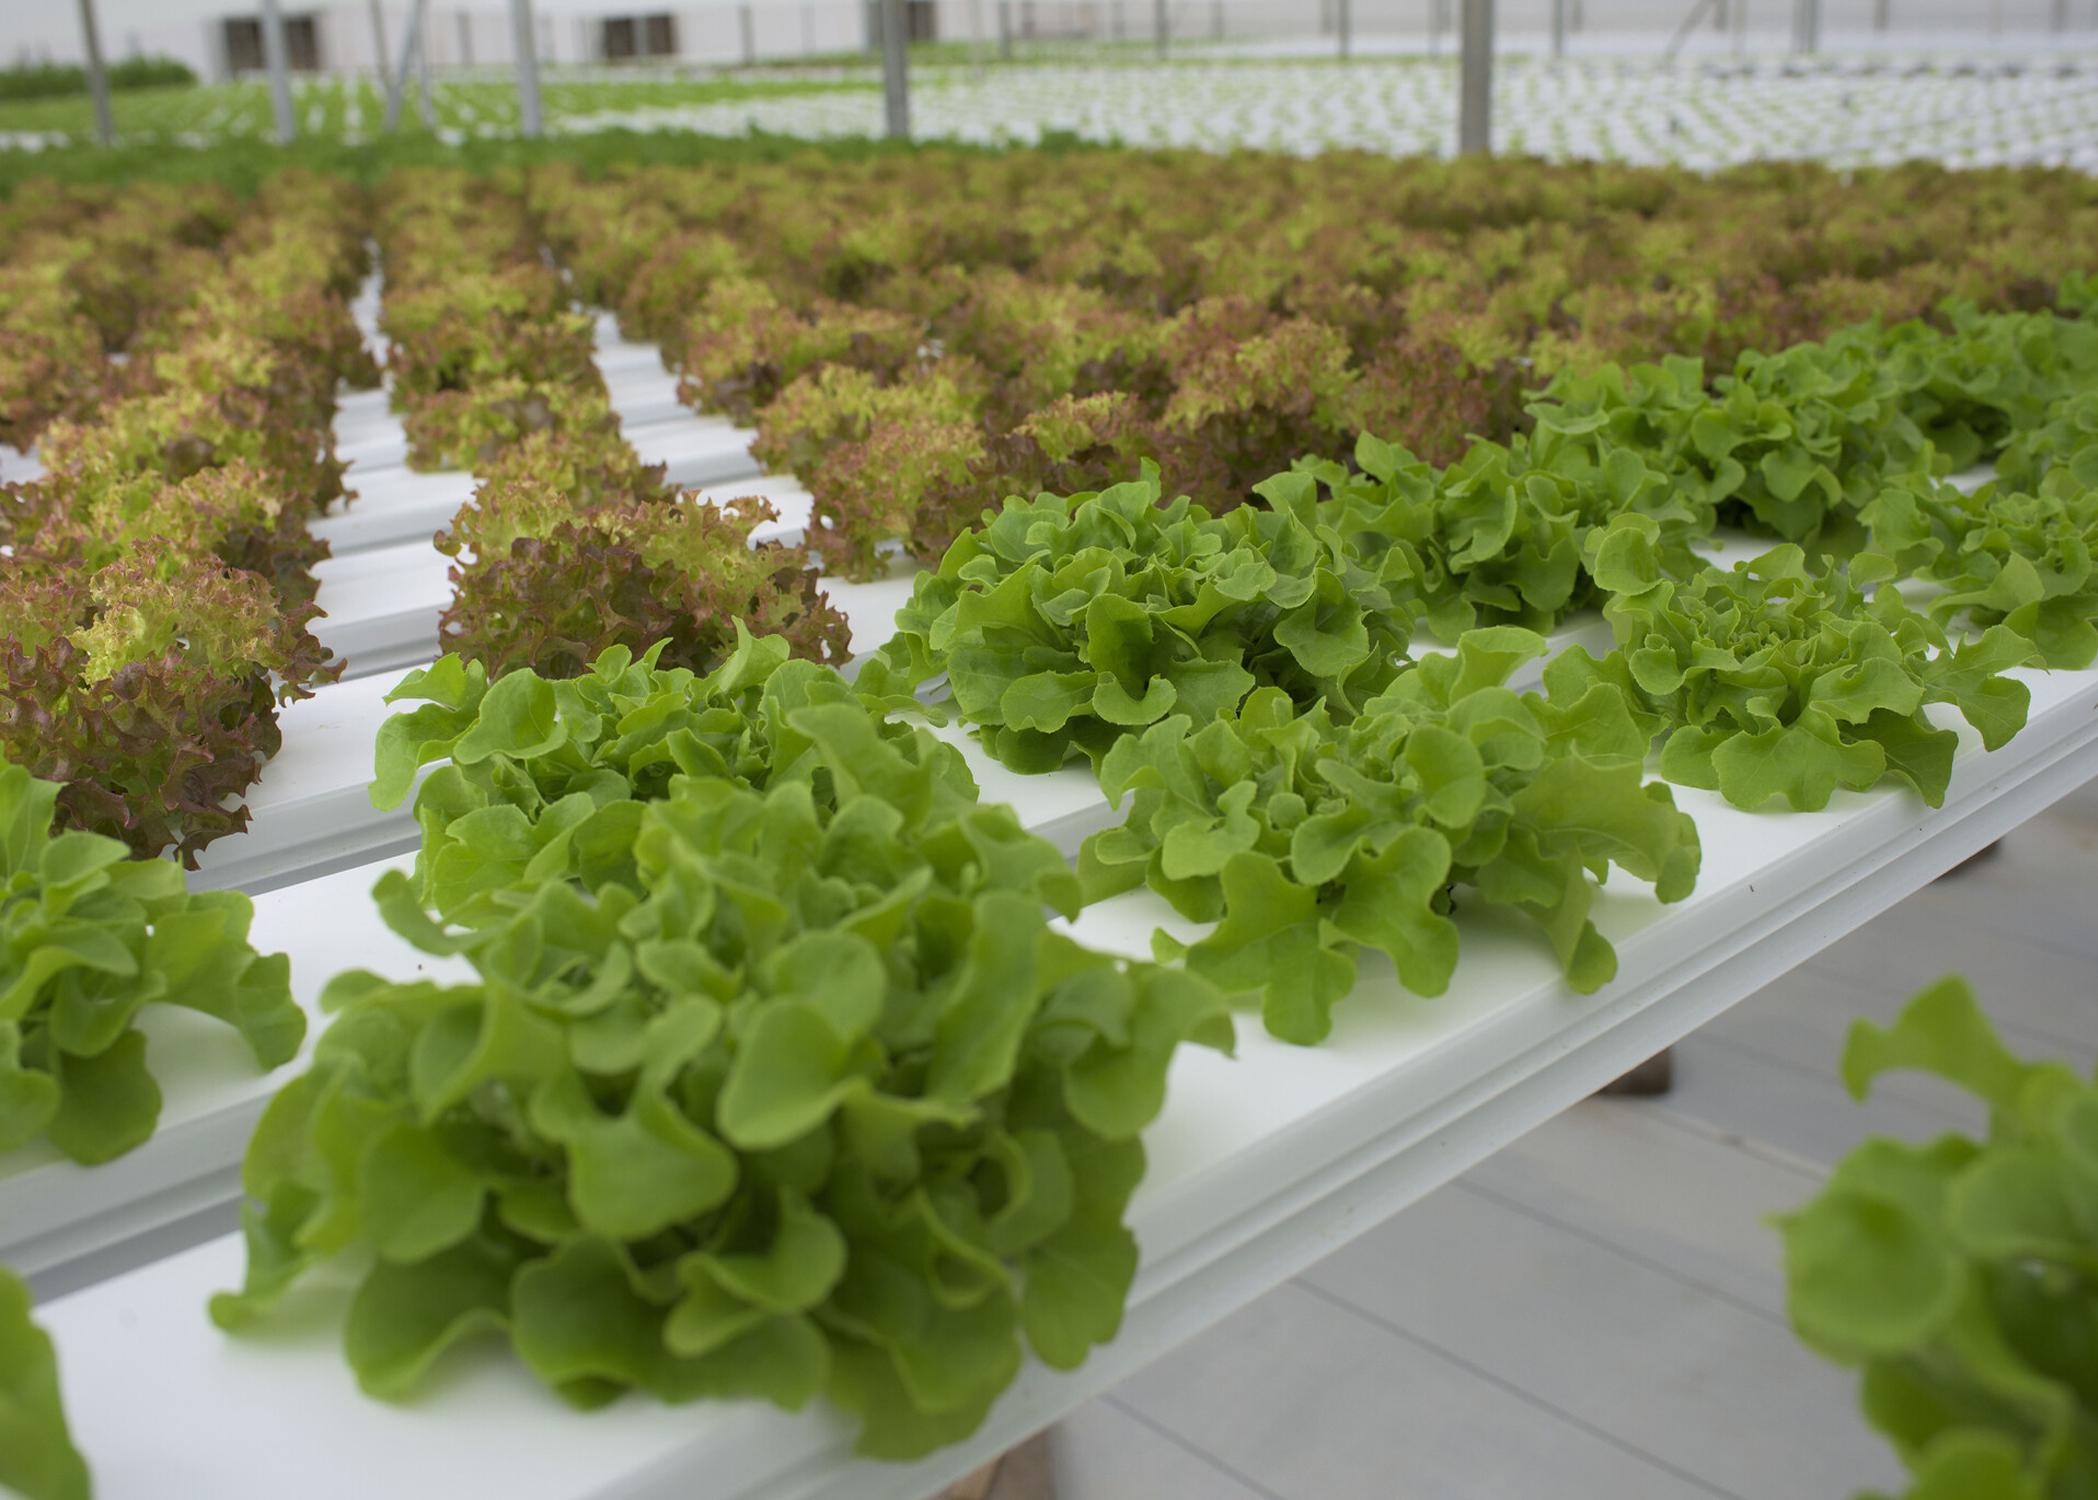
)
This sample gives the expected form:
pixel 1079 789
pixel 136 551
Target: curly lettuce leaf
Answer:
pixel 88 939
pixel 1953 1275
pixel 37 1457
pixel 775 1083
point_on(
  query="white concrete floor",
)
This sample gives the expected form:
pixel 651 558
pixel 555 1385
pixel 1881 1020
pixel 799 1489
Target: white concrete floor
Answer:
pixel 1597 1313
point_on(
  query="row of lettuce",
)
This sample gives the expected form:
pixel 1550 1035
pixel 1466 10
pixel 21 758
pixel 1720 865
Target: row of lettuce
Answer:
pixel 569 543
pixel 159 579
pixel 915 339
pixel 918 338
pixel 775 1061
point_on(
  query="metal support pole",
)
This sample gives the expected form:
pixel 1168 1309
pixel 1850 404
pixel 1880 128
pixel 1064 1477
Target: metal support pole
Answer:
pixel 1882 14
pixel 1344 23
pixel 280 80
pixel 1689 24
pixel 1161 25
pixel 422 86
pixel 466 39
pixel 524 41
pixel 379 39
pixel 97 78
pixel 397 83
pixel 1005 30
pixel 1558 29
pixel 895 71
pixel 747 24
pixel 1475 80
pixel 1216 21
pixel 2059 19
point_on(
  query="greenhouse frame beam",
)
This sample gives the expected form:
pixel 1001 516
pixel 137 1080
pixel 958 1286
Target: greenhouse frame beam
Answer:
pixel 280 79
pixel 524 47
pixel 1475 79
pixel 97 76
pixel 1690 23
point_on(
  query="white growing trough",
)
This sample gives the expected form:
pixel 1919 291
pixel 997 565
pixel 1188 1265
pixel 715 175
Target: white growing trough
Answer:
pixel 1259 1167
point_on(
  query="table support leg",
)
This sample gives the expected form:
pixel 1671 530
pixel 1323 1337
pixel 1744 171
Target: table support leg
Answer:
pixel 1027 1472
pixel 1653 1077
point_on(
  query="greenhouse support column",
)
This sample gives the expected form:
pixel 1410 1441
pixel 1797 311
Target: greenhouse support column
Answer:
pixel 747 24
pixel 524 41
pixel 1005 30
pixel 1216 21
pixel 466 39
pixel 1558 29
pixel 1475 79
pixel 1882 14
pixel 397 80
pixel 1344 23
pixel 1160 25
pixel 895 71
pixel 280 80
pixel 97 79
pixel 423 106
pixel 379 40
pixel 2059 18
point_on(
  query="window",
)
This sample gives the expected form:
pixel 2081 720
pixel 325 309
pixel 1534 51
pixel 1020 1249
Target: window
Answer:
pixel 621 38
pixel 241 37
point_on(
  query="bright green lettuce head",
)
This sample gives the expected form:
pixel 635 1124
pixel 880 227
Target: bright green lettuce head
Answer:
pixel 1499 536
pixel 1065 624
pixel 1956 1275
pixel 530 760
pixel 1307 841
pixel 776 1086
pixel 1772 681
pixel 2001 556
pixel 88 938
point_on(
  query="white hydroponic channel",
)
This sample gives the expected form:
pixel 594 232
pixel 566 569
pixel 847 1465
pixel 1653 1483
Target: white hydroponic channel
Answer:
pixel 1635 110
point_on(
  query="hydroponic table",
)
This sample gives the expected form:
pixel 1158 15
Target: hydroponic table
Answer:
pixel 1259 1165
